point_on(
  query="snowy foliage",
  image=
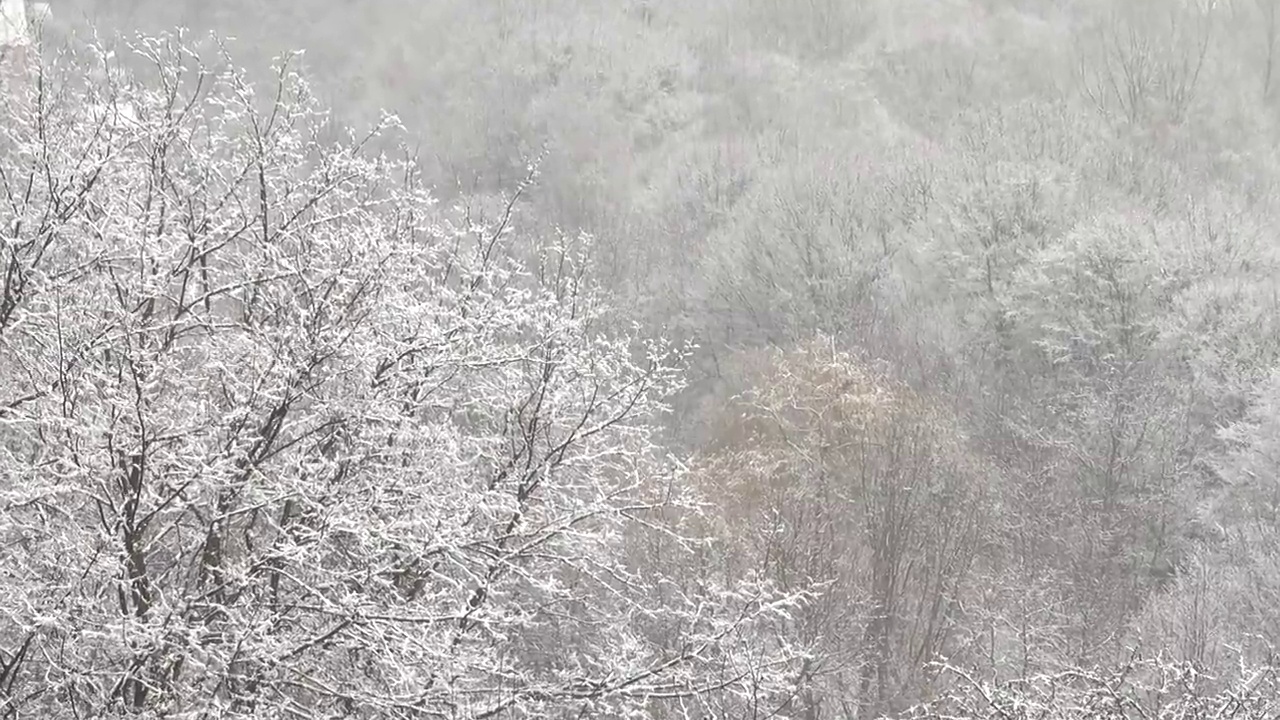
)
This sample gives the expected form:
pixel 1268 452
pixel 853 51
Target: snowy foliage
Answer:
pixel 280 437
pixel 1156 688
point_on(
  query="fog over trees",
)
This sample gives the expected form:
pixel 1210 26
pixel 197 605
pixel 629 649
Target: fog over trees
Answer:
pixel 811 359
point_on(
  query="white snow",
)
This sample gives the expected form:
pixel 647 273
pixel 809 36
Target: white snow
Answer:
pixel 13 23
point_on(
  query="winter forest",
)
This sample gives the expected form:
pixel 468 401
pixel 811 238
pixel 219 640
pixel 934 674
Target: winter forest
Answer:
pixel 626 359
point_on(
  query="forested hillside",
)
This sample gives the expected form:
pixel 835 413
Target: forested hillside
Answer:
pixel 657 358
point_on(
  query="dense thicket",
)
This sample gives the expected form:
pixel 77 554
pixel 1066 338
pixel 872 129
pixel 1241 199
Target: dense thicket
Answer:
pixel 280 438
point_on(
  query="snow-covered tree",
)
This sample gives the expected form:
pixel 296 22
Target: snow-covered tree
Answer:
pixel 833 474
pixel 280 437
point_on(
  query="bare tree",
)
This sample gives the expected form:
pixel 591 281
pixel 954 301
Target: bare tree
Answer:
pixel 280 438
